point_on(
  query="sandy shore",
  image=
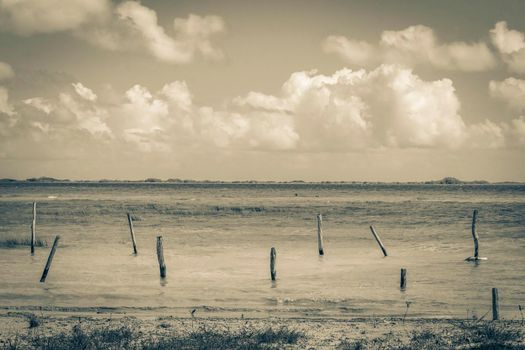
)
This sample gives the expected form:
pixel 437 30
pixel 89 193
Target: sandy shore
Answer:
pixel 357 333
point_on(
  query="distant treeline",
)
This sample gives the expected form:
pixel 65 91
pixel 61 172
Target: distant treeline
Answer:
pixel 444 181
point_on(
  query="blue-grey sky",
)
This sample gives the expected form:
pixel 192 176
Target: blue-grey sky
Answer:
pixel 273 90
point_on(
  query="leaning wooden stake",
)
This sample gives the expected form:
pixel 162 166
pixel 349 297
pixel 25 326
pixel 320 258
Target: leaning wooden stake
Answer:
pixel 475 238
pixel 49 259
pixel 403 281
pixel 130 221
pixel 320 234
pixel 33 230
pixel 495 304
pixel 376 236
pixel 273 257
pixel 160 257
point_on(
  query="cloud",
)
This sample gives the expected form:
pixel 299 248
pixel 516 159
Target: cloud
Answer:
pixel 5 106
pixel 135 27
pixel 127 26
pixel 84 92
pixel 414 45
pixel 511 91
pixel 386 108
pixel 511 45
pixel 6 72
pixel 35 16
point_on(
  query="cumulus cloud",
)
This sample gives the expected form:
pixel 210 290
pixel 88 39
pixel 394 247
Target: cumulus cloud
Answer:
pixel 6 72
pixel 84 92
pixel 192 34
pixel 511 45
pixel 414 45
pixel 511 91
pixel 36 16
pixel 127 26
pixel 389 107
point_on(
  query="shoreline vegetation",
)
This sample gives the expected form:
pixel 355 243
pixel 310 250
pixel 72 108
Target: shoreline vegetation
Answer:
pixel 444 181
pixel 51 331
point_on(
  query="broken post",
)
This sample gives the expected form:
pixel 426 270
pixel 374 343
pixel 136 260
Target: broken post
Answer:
pixel 475 238
pixel 273 257
pixel 320 234
pixel 33 230
pixel 495 304
pixel 130 221
pixel 49 259
pixel 376 236
pixel 403 281
pixel 160 257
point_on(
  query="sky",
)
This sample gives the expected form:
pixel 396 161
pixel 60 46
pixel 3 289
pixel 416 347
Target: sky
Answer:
pixel 263 90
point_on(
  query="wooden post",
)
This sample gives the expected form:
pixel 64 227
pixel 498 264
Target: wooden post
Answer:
pixel 33 230
pixel 495 304
pixel 475 238
pixel 320 234
pixel 376 236
pixel 130 221
pixel 403 281
pixel 273 257
pixel 160 257
pixel 49 259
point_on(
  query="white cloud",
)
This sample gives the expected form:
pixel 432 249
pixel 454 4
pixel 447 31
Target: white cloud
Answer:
pixel 5 106
pixel 84 92
pixel 386 108
pixel 511 91
pixel 192 35
pixel 36 16
pixel 414 45
pixel 511 45
pixel 6 72
pixel 40 104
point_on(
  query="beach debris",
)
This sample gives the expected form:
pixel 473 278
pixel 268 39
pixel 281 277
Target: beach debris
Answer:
pixel 495 304
pixel 320 234
pixel 403 280
pixel 130 221
pixel 33 230
pixel 378 240
pixel 50 259
pixel 193 312
pixel 160 257
pixel 273 257
pixel 475 238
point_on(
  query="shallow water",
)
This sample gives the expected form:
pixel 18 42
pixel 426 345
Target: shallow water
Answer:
pixel 217 240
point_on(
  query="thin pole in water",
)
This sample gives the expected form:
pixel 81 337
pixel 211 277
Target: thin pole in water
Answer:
pixel 403 281
pixel 273 257
pixel 376 236
pixel 130 221
pixel 49 259
pixel 160 257
pixel 33 230
pixel 495 304
pixel 320 234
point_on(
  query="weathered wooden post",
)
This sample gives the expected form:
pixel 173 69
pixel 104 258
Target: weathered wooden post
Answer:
pixel 475 238
pixel 160 257
pixel 130 221
pixel 50 259
pixel 495 304
pixel 273 257
pixel 403 281
pixel 376 236
pixel 33 230
pixel 320 234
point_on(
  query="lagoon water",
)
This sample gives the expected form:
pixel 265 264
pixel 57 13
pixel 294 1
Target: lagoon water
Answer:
pixel 217 240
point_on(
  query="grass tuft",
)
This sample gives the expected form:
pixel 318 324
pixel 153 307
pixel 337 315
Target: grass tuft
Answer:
pixel 17 242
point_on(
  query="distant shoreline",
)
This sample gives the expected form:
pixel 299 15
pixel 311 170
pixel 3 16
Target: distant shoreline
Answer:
pixel 444 181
